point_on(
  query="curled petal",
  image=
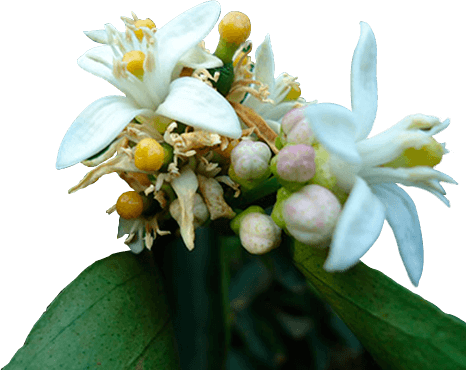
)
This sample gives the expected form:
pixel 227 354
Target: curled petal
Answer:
pixel 358 228
pixel 364 81
pixel 95 128
pixel 194 103
pixel 402 217
pixel 335 127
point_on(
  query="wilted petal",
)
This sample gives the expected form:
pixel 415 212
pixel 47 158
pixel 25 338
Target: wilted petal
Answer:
pixel 402 217
pixel 178 36
pixel 95 128
pixel 364 81
pixel 335 127
pixel 358 228
pixel 185 187
pixel 196 104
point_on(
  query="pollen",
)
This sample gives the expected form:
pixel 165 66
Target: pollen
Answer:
pixel 428 155
pixel 142 23
pixel 235 28
pixel 135 62
pixel 149 155
pixel 294 93
pixel 129 205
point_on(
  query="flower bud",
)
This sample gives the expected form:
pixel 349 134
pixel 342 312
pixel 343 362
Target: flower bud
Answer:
pixel 250 162
pixel 295 163
pixel 311 214
pixel 259 234
pixel 295 129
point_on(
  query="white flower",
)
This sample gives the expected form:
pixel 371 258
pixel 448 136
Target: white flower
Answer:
pixel 356 160
pixel 185 99
pixel 264 70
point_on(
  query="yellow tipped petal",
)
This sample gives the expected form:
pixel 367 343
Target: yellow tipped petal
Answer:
pixel 235 28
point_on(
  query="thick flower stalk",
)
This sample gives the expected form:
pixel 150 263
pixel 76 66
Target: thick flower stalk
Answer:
pixel 370 168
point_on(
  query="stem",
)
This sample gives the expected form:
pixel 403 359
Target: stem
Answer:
pixel 265 190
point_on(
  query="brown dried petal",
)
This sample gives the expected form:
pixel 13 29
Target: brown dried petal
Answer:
pixel 212 192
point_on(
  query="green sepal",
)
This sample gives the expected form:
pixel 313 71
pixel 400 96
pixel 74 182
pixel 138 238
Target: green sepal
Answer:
pixel 277 212
pixel 235 223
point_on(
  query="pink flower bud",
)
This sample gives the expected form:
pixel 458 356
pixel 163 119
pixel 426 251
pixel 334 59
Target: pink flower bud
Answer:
pixel 311 214
pixel 250 159
pixel 296 163
pixel 296 129
pixel 258 233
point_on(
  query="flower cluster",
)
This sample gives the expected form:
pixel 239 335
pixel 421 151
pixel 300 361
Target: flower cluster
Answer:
pixel 195 125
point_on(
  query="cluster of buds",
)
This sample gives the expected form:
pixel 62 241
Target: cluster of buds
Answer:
pixel 195 125
pixel 306 208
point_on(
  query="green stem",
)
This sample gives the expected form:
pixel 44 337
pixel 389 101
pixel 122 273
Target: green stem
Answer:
pixel 266 189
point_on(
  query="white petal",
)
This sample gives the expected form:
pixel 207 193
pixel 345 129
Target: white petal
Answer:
pixel 264 68
pixel 335 128
pixel 95 128
pixel 358 228
pixel 274 125
pixel 99 62
pixel 194 103
pixel 402 217
pixel 177 37
pixel 197 57
pixel 364 81
pixel 99 36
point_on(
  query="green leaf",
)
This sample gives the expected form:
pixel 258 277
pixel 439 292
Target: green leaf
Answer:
pixel 400 329
pixel 112 316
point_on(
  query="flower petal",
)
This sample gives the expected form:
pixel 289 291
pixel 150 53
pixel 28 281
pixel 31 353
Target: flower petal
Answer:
pixel 99 62
pixel 264 68
pixel 177 37
pixel 264 71
pixel 196 104
pixel 364 81
pixel 358 228
pixel 402 217
pixel 95 128
pixel 336 129
pixel 99 36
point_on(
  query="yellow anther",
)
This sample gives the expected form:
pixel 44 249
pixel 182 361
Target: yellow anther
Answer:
pixel 142 23
pixel 428 155
pixel 149 155
pixel 294 93
pixel 129 205
pixel 235 28
pixel 135 60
